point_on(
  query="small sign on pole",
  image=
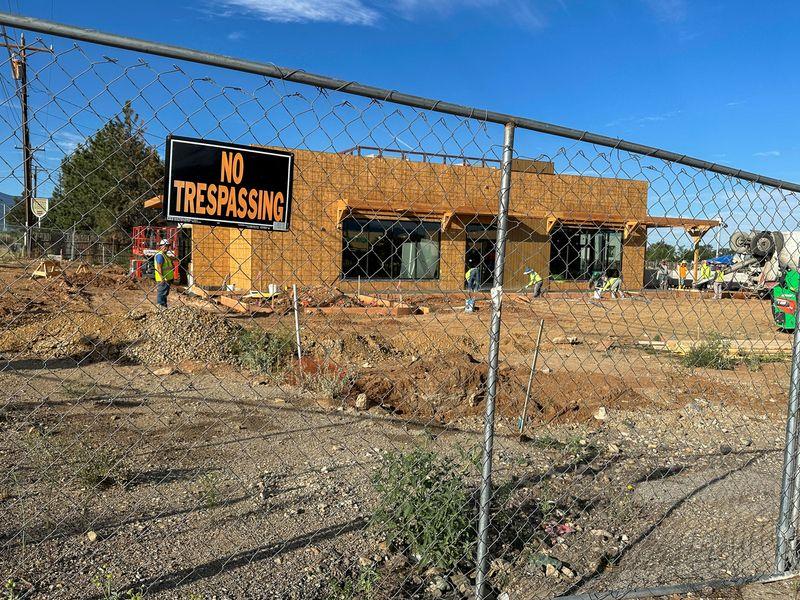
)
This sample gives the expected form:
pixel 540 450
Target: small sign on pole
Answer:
pixel 39 207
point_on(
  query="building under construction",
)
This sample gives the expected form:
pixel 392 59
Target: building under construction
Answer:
pixel 394 220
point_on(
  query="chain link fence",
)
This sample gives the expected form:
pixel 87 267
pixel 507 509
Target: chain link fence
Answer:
pixel 490 357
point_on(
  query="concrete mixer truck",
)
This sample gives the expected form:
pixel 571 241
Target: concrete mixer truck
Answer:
pixel 767 262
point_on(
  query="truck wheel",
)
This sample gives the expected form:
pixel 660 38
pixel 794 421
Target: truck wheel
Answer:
pixel 740 242
pixel 762 244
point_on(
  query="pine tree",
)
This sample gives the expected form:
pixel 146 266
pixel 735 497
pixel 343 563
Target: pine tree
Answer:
pixel 103 183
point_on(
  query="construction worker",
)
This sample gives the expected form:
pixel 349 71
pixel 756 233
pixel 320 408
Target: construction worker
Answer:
pixel 613 284
pixel 534 281
pixel 719 282
pixel 473 283
pixel 472 275
pixel 683 272
pixel 705 272
pixel 164 273
pixel 662 275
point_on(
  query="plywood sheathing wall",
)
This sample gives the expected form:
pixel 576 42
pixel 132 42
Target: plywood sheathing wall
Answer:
pixel 310 253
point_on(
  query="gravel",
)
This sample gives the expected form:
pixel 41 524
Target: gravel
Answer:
pixel 184 333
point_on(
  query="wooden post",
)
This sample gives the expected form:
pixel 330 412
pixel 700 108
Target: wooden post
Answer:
pixel 696 240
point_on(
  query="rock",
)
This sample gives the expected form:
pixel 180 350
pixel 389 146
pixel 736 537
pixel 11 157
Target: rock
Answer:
pixel 163 372
pixel 551 571
pixel 504 596
pixel 365 561
pixel 601 414
pixel 567 572
pixel 441 584
pixel 725 449
pixel 613 449
pixel 606 345
pixel 461 582
pixel 91 536
pixel 546 370
pixel 396 562
pixel 499 565
pixel 362 402
pixel 601 533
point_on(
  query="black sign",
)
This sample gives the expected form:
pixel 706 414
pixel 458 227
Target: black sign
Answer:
pixel 217 183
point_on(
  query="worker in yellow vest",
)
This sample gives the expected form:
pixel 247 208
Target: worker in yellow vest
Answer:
pixel 472 277
pixel 613 284
pixel 704 276
pixel 719 282
pixel 164 273
pixel 534 281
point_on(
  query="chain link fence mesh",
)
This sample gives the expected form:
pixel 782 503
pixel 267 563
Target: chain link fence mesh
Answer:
pixel 188 452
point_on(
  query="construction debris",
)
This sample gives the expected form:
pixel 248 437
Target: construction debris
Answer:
pixel 47 268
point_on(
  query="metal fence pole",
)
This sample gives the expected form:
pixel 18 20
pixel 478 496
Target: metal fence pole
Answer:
pixel 786 528
pixel 494 359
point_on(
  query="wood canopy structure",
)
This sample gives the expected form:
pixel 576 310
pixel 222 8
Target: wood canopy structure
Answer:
pixel 696 228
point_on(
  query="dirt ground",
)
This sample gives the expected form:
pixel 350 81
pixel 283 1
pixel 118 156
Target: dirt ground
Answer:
pixel 220 482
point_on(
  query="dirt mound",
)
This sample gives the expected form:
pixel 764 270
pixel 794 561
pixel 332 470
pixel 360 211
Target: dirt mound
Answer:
pixel 184 333
pixel 452 386
pixel 99 280
pixel 70 334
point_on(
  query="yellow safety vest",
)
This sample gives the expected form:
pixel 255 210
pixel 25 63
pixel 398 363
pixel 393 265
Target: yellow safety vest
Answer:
pixel 705 272
pixel 534 278
pixel 609 282
pixel 719 277
pixel 167 271
pixel 468 273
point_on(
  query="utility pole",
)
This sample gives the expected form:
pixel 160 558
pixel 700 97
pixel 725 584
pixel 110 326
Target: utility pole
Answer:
pixel 19 70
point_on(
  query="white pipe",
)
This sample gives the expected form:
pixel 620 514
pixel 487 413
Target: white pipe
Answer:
pixel 297 322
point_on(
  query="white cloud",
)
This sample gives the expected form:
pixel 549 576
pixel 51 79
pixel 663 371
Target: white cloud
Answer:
pixel 371 12
pixel 235 36
pixel 640 121
pixel 768 153
pixel 669 11
pixel 350 12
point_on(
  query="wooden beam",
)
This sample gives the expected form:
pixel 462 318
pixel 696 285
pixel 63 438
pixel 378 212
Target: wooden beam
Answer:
pixel 154 202
pixel 630 227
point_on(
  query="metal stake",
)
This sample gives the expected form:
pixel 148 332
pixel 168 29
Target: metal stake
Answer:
pixel 530 378
pixel 786 527
pixel 296 322
pixel 494 359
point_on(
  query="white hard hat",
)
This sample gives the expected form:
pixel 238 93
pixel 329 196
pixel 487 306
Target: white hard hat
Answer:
pixel 164 242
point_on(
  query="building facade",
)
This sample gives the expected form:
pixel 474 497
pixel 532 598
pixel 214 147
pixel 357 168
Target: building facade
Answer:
pixel 391 224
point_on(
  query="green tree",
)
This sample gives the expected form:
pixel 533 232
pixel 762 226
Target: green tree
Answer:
pixel 659 251
pixel 103 183
pixel 705 251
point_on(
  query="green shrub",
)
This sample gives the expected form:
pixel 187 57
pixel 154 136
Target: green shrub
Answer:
pixel 713 353
pixel 355 585
pixel 264 352
pixel 335 384
pixel 98 467
pixel 103 580
pixel 425 505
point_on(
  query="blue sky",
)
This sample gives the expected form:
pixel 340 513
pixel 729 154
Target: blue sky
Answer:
pixel 711 79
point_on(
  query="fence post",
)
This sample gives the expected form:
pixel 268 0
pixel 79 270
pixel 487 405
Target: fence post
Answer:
pixel 494 359
pixel 787 517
